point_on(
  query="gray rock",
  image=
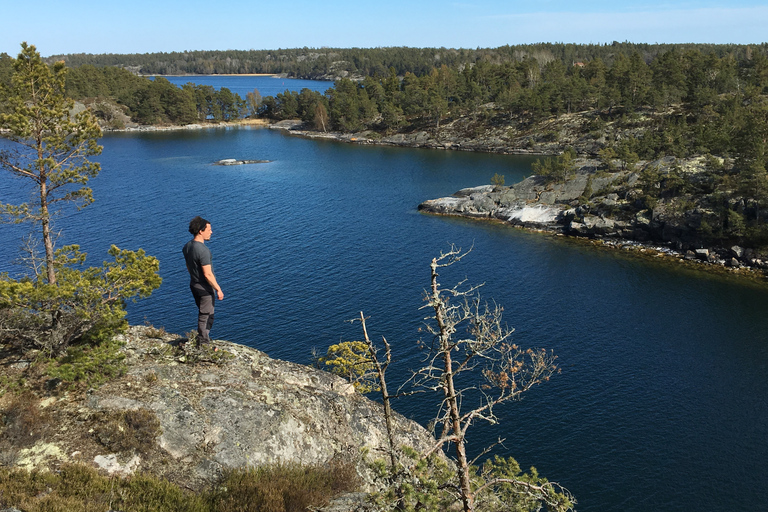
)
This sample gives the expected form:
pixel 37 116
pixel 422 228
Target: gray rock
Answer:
pixel 241 409
pixel 252 410
pixel 232 161
pixel 611 211
pixel 702 254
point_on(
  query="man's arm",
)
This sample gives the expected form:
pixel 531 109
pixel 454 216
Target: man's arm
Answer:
pixel 208 274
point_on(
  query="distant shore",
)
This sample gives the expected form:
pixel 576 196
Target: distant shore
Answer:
pixel 222 74
pixel 194 126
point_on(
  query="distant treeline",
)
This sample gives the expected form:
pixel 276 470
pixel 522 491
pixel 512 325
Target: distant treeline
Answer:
pixel 337 62
pixel 702 102
pixel 712 96
pixel 145 101
pixel 156 101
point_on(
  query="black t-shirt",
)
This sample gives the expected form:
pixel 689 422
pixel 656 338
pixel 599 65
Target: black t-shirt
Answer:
pixel 196 254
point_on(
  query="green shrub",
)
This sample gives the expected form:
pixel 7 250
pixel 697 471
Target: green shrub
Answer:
pixel 85 304
pixel 89 364
pixel 352 361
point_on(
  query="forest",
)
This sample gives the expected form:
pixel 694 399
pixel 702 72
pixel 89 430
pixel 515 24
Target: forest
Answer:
pixel 322 63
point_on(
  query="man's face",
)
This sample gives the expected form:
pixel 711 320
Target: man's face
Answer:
pixel 207 232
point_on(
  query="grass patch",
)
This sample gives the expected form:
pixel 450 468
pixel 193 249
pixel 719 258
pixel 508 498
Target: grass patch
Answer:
pixel 129 431
pixel 283 487
pixel 79 488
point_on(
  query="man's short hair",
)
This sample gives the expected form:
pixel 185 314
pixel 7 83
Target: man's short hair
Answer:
pixel 197 225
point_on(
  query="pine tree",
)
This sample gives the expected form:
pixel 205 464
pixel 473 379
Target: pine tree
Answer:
pixel 51 145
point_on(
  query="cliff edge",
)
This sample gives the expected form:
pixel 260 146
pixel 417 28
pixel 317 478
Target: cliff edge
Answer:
pixel 232 408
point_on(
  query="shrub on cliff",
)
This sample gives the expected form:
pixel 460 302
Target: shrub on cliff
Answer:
pixel 85 305
pixel 467 341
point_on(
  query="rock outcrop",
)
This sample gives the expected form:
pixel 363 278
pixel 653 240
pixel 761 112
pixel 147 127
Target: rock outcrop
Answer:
pixel 504 135
pixel 607 206
pixel 234 161
pixel 234 408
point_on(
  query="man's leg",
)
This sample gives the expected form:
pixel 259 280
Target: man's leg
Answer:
pixel 204 301
pixel 204 319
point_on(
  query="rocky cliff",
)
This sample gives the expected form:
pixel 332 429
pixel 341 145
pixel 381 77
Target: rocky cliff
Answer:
pixel 232 408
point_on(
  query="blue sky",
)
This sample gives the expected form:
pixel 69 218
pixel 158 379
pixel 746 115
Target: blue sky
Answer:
pixel 142 26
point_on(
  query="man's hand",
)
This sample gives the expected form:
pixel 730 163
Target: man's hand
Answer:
pixel 220 294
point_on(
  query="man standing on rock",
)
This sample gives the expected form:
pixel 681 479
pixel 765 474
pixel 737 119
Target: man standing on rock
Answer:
pixel 202 281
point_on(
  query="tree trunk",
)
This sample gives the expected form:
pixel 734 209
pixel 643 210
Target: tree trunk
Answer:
pixel 384 393
pixel 451 399
pixel 46 221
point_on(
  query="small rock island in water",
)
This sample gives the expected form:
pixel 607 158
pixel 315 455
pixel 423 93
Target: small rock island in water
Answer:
pixel 233 161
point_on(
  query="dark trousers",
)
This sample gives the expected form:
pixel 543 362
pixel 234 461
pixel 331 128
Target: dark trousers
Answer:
pixel 204 299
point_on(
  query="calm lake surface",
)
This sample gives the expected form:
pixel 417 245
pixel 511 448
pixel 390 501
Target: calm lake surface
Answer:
pixel 661 404
pixel 267 85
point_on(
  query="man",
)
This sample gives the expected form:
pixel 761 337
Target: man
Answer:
pixel 202 281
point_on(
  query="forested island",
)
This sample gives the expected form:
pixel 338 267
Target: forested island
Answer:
pixel 623 106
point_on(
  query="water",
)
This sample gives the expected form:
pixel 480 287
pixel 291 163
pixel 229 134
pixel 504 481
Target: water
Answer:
pixel 661 403
pixel 267 85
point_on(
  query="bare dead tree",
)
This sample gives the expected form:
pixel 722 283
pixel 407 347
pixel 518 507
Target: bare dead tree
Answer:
pixel 469 337
pixel 381 371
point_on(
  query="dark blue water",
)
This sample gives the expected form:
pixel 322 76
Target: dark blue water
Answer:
pixel 661 404
pixel 267 85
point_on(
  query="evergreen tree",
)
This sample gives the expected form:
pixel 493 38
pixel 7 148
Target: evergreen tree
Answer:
pixel 51 146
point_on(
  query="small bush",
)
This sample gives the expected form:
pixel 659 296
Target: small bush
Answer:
pixel 130 431
pixel 155 332
pixel 89 364
pixel 283 487
pixel 352 361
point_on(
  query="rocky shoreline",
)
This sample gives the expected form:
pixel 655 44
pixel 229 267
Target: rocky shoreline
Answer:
pixel 419 139
pixel 538 205
pixel 135 127
pixel 562 209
